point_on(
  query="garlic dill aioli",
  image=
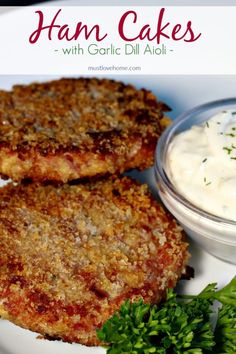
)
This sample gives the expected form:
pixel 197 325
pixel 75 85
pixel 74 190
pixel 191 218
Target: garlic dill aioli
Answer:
pixel 201 163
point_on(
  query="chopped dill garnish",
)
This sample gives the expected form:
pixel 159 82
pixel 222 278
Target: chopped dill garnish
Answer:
pixel 230 134
pixel 206 183
pixel 207 124
pixel 204 160
pixel 234 128
pixel 232 158
pixel 229 150
pixel 218 123
pixel 233 113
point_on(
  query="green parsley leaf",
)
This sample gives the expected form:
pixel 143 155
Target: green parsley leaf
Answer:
pixel 225 332
pixel 180 325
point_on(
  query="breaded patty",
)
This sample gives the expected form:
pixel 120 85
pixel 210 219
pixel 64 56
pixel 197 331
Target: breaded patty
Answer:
pixel 74 128
pixel 71 255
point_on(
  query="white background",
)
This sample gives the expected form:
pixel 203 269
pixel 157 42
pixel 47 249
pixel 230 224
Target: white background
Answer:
pixel 214 52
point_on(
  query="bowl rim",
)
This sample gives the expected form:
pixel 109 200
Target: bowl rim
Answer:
pixel 162 147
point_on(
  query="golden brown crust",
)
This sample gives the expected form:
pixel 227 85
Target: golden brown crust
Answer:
pixel 71 255
pixel 73 128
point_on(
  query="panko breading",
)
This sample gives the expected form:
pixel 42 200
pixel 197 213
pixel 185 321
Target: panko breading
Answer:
pixel 71 255
pixel 75 128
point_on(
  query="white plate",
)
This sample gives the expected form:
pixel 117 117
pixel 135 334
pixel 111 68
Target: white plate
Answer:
pixel 181 93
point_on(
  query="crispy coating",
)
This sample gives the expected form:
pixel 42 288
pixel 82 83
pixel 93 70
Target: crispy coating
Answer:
pixel 74 128
pixel 71 255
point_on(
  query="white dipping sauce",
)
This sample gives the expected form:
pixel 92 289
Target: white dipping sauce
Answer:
pixel 201 163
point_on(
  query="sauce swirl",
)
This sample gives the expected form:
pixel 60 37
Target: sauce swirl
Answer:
pixel 201 163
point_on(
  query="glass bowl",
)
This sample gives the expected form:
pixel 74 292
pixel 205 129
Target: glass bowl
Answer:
pixel 215 234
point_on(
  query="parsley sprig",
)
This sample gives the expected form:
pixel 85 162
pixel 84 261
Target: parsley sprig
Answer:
pixel 180 325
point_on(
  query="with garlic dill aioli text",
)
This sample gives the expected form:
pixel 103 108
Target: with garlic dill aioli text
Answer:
pixel 201 163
